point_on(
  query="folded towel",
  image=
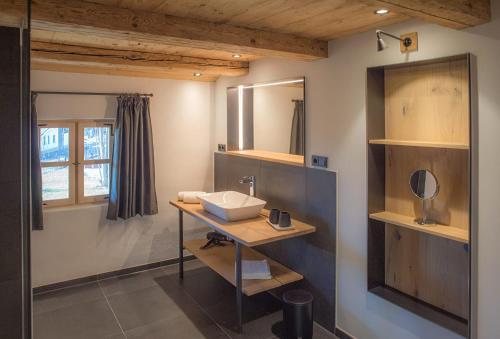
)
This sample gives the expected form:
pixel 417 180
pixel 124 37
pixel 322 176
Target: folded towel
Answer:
pixel 255 269
pixel 190 197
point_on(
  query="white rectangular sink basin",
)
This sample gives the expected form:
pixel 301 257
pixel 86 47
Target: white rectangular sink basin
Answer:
pixel 231 205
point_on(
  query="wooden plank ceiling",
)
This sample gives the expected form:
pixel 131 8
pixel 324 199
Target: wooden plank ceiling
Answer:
pixel 178 38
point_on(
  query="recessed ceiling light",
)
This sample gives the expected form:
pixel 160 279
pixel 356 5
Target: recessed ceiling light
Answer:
pixel 197 74
pixel 382 11
pixel 236 56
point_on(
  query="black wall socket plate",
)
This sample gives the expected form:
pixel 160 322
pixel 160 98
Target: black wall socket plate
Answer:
pixel 320 161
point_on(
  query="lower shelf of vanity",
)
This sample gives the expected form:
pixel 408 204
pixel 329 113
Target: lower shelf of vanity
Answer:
pixel 221 259
pixel 448 232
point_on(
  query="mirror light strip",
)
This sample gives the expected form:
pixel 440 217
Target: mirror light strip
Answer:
pixel 274 83
pixel 240 117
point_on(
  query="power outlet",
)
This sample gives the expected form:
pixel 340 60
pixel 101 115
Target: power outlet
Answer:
pixel 320 161
pixel 221 147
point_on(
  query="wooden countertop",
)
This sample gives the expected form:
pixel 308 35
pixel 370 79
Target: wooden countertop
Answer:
pixel 249 232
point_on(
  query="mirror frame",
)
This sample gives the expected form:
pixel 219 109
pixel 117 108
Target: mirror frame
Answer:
pixel 435 179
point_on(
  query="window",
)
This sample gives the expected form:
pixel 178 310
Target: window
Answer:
pixel 76 161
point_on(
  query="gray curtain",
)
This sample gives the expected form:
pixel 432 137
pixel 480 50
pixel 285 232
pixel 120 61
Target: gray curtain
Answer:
pixel 297 137
pixel 133 170
pixel 36 171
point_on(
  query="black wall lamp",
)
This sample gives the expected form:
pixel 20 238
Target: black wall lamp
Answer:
pixel 408 42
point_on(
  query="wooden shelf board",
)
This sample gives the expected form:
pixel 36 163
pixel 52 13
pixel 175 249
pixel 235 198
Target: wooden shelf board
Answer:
pixel 221 260
pixel 249 232
pixel 393 142
pixel 448 232
pixel 283 158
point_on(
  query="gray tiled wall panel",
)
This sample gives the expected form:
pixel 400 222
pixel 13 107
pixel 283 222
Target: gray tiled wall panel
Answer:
pixel 308 194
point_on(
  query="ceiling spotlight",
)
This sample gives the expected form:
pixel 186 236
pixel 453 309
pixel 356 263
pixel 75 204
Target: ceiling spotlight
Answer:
pixel 381 45
pixel 237 56
pixel 197 74
pixel 382 11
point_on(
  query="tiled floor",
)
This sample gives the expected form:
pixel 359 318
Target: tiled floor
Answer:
pixel 155 304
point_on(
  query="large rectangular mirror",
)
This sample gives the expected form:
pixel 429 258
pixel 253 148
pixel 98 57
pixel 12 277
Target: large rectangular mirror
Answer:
pixel 268 119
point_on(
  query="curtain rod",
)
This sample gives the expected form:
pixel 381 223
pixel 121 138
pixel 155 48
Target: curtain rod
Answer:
pixel 89 93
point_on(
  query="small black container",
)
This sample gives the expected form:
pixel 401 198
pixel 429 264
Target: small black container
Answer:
pixel 284 220
pixel 298 314
pixel 274 216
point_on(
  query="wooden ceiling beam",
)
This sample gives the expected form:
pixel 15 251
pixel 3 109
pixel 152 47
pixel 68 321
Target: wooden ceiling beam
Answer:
pixel 113 22
pixel 456 14
pixel 51 56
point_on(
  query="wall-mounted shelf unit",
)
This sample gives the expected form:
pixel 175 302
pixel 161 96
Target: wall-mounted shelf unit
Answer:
pixel 282 158
pixel 429 144
pixel 448 232
pixel 418 117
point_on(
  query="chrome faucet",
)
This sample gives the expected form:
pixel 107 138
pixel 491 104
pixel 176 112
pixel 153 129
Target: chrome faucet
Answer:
pixel 250 179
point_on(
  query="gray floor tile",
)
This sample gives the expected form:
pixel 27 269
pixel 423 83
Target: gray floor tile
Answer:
pixel 321 333
pixel 143 307
pixel 259 328
pixel 131 282
pixel 217 297
pixel 318 333
pixel 66 297
pixel 116 336
pixel 91 320
pixel 178 327
pixel 188 266
pixel 43 325
pixel 156 304
pixel 202 284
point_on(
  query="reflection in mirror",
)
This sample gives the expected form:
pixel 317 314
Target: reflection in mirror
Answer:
pixel 268 119
pixel 278 118
pixel 424 186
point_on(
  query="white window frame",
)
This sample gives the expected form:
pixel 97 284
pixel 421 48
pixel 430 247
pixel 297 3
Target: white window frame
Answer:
pixel 81 124
pixel 76 159
pixel 70 163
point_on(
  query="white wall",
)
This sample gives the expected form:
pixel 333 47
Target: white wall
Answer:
pixel 335 127
pixel 79 241
pixel 272 116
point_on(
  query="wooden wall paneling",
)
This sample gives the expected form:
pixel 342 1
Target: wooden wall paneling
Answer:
pixel 425 125
pixel 429 268
pixel 428 102
pixel 451 205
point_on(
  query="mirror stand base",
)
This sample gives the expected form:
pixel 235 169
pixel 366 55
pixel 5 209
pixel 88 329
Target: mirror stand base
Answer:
pixel 422 221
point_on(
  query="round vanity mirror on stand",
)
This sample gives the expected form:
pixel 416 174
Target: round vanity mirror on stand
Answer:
pixel 424 185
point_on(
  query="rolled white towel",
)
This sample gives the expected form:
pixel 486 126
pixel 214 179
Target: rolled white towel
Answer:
pixel 190 197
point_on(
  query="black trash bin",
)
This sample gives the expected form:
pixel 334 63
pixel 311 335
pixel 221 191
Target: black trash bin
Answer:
pixel 298 314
